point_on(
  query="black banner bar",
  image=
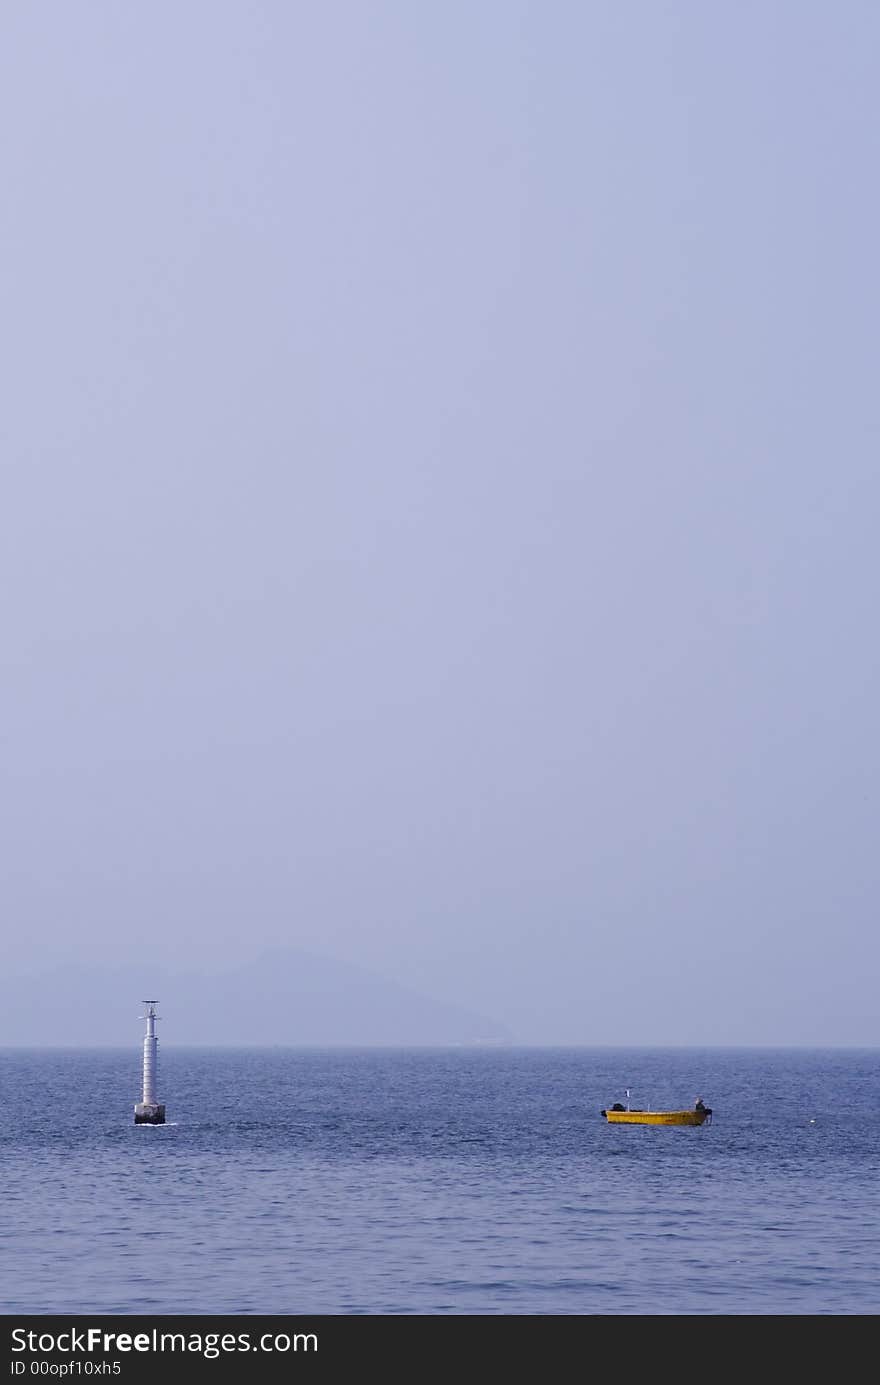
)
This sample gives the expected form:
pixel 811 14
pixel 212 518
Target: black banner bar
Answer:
pixel 132 1348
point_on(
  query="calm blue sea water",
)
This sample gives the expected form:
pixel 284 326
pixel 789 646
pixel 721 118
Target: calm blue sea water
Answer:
pixel 459 1181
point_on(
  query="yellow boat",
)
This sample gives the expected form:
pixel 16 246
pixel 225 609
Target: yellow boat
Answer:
pixel 628 1115
pixel 658 1117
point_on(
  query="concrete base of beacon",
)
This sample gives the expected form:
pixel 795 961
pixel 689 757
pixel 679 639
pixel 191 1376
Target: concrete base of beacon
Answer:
pixel 149 1115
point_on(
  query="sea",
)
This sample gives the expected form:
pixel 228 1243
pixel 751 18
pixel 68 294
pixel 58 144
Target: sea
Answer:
pixel 453 1181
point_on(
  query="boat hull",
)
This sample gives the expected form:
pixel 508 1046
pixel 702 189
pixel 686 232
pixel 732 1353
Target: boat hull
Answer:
pixel 656 1117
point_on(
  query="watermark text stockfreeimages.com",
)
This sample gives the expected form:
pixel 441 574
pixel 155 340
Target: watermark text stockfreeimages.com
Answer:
pixel 80 1342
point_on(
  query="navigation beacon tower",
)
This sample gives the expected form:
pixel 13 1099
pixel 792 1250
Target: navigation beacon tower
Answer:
pixel 150 1110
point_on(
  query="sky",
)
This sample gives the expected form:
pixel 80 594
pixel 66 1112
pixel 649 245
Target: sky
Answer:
pixel 439 504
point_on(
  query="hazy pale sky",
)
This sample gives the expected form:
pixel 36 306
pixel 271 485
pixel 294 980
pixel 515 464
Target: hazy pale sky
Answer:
pixel 439 504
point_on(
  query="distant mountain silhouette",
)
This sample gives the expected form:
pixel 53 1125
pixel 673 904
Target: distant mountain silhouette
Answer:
pixel 283 996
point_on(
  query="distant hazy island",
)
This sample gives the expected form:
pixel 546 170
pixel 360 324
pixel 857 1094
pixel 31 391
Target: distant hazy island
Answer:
pixel 283 996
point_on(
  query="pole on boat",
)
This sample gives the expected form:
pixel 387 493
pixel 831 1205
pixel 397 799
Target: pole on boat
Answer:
pixel 150 1110
pixel 627 1098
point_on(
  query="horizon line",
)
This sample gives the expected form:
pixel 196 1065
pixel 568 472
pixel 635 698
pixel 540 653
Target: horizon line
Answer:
pixel 473 1045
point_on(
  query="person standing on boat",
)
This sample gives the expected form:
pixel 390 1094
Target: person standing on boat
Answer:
pixel 699 1104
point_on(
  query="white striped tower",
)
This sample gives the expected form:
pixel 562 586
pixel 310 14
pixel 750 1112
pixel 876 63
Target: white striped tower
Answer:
pixel 150 1110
